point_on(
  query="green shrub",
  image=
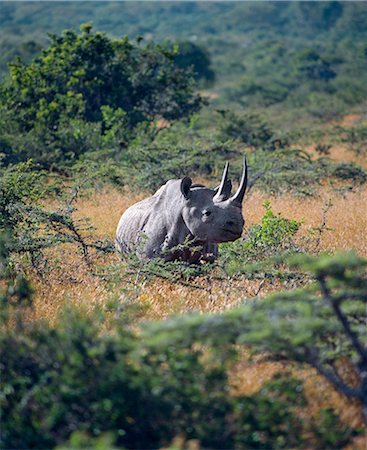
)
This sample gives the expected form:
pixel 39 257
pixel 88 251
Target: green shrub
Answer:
pixel 270 238
pixel 61 102
pixel 310 65
pixel 33 227
pixel 350 171
pixel 252 130
pixel 294 170
pixel 317 325
pixel 80 380
pixel 273 234
pixel 141 393
pixel 190 55
pixel 355 137
pixel 19 185
pixel 174 153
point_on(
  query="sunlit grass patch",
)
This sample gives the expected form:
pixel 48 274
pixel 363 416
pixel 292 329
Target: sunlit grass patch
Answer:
pixel 69 280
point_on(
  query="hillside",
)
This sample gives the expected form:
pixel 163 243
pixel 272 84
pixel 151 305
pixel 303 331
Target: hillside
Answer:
pixel 270 56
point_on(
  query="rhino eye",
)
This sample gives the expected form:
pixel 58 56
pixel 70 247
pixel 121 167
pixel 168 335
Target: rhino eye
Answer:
pixel 206 213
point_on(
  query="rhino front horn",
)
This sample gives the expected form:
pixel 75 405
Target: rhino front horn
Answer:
pixel 239 195
pixel 225 187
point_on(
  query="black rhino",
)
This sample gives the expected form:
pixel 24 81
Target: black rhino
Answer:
pixel 181 212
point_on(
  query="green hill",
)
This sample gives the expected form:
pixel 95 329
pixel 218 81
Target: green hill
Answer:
pixel 293 54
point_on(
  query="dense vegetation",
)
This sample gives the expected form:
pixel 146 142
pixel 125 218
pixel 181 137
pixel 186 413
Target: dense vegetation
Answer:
pixel 90 110
pixel 172 377
pixel 108 87
pixel 179 368
pixel 293 54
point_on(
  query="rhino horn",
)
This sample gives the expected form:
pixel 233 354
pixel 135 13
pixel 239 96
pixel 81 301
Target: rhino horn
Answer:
pixel 239 195
pixel 225 187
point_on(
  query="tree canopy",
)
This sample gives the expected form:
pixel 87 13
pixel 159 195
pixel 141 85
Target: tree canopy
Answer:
pixel 79 82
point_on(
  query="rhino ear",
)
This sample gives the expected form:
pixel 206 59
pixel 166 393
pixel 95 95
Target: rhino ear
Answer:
pixel 185 187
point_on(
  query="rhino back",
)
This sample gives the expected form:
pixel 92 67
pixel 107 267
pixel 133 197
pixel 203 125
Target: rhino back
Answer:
pixel 138 223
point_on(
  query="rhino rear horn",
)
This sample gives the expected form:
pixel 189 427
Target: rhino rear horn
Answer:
pixel 239 195
pixel 225 187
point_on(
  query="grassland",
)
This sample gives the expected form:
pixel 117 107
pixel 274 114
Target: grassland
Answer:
pixel 346 222
pixel 284 82
pixel 67 279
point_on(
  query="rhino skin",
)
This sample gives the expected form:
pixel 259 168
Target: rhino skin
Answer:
pixel 181 212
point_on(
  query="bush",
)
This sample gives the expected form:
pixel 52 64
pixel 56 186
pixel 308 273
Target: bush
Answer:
pixel 190 55
pixel 271 237
pixel 294 170
pixel 174 153
pixel 355 138
pixel 252 130
pixel 321 325
pixel 310 65
pixel 34 228
pixel 61 100
pixel 350 171
pixel 140 392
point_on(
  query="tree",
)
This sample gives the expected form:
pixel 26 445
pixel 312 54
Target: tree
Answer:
pixel 312 66
pixel 59 100
pixel 321 325
pixel 196 57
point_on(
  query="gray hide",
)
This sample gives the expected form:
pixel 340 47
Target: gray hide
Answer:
pixel 180 211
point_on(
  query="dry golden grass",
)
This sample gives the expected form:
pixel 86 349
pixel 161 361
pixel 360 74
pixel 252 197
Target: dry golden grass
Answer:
pixel 347 216
pixel 251 374
pixel 70 281
pixel 350 119
pixel 340 153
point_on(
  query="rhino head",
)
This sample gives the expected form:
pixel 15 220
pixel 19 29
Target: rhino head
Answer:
pixel 213 215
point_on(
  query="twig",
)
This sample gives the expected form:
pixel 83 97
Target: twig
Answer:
pixel 312 358
pixel 259 287
pixel 323 226
pixel 352 336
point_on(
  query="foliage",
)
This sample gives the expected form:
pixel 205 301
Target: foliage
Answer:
pixel 321 325
pixel 272 234
pixel 323 149
pixel 258 55
pixel 252 130
pixel 193 55
pixel 63 100
pixel 18 186
pixel 176 271
pixel 310 65
pixel 149 161
pixel 16 291
pixel 67 386
pixel 33 227
pixel 57 383
pixel 175 152
pixel 350 171
pixel 355 137
pixel 270 238
pixel 294 170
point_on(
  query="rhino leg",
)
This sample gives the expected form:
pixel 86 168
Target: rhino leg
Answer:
pixel 210 252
